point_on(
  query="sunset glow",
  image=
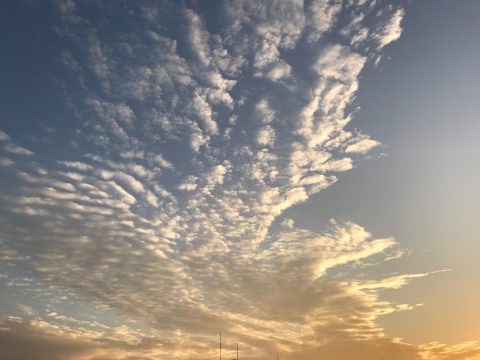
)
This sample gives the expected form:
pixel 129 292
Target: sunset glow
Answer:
pixel 299 176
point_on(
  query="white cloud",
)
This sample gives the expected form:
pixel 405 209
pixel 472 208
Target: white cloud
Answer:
pixel 76 165
pixel 6 162
pixel 3 136
pixel 158 159
pixel 17 150
pixel 66 7
pixel 26 309
pixel 392 30
pixel 279 71
pixel 129 180
pixel 321 15
pixel 266 136
pixel 197 138
pixel 189 184
pixel 339 63
pixel 204 111
pixel 192 243
pixel 362 146
pixel 217 174
pixel 125 196
pixel 151 198
pixel 264 112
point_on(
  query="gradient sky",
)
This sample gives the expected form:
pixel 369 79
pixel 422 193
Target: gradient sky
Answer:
pixel 299 175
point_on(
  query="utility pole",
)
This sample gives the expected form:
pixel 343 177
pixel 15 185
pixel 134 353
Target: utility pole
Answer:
pixel 237 351
pixel 277 355
pixel 220 345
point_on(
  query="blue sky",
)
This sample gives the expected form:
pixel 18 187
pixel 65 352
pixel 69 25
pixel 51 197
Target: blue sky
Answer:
pixel 298 175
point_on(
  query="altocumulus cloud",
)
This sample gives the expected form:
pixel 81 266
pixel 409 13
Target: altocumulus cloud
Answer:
pixel 196 131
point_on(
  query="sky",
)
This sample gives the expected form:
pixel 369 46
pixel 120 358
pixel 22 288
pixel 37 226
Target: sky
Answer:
pixel 301 176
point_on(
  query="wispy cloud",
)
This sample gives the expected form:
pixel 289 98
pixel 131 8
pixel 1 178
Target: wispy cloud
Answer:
pixel 391 30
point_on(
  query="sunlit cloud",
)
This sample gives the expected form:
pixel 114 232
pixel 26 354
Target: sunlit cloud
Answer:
pixel 167 212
